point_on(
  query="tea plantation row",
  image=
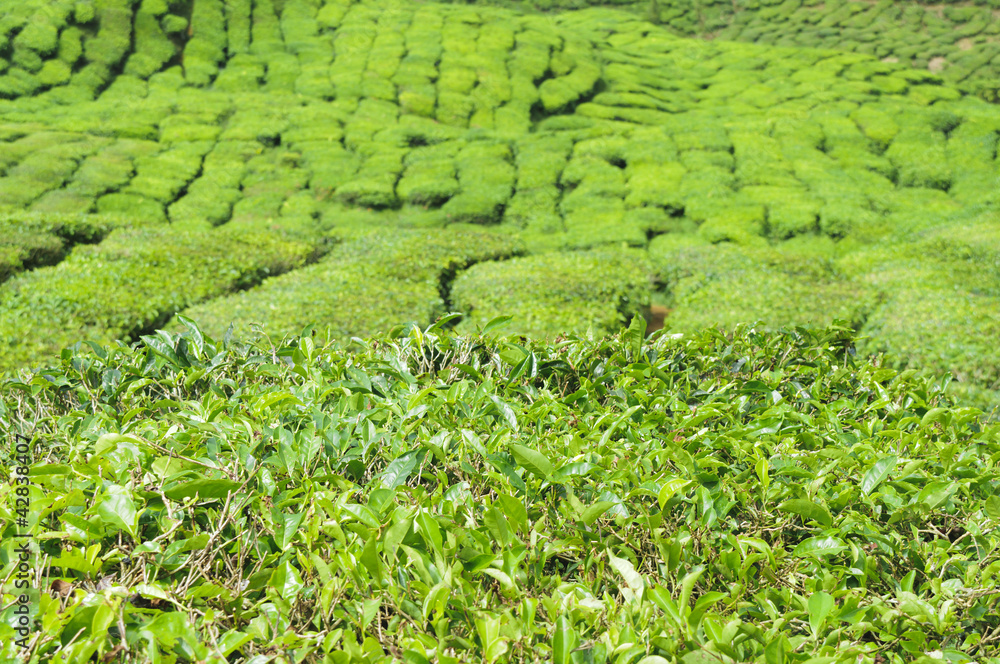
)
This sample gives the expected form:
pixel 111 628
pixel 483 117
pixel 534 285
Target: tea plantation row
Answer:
pixel 959 39
pixel 786 184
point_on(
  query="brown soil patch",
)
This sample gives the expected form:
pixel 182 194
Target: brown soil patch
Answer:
pixel 657 314
pixel 936 64
pixel 965 44
pixel 890 59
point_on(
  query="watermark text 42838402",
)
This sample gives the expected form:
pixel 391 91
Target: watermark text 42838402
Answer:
pixel 21 612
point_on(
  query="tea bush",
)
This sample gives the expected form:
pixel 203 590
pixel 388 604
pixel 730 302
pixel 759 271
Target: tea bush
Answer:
pixel 379 278
pixel 736 497
pixel 592 129
pixel 556 293
pixel 133 282
pixel 34 240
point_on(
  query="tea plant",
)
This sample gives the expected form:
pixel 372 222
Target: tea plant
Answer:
pixel 750 497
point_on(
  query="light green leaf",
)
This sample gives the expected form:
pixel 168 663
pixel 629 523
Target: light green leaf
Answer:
pixel 619 421
pixel 286 581
pixel 807 509
pixel 369 609
pixel 497 525
pixel 563 641
pixel 877 473
pixel 669 488
pixel 819 547
pixel 532 460
pixel 397 472
pixel 494 645
pixel 81 528
pixel 472 439
pixel 496 324
pixel 936 493
pixel 369 558
pixel 687 587
pixel 395 534
pixel 774 652
pixel 164 350
pixel 506 411
pixel 515 512
pixel 194 332
pixel 934 415
pixel 203 489
pixel 362 514
pixel 231 640
pixel 992 507
pixel 820 605
pixel 431 533
pixel 633 580
pixel 286 526
pixel 592 513
pixel 701 656
pixel 635 335
pixel 118 508
pixel 761 468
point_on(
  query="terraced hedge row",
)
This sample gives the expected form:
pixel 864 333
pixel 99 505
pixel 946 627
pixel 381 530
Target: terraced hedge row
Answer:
pixel 722 165
pixel 132 283
pixel 961 40
pixel 370 281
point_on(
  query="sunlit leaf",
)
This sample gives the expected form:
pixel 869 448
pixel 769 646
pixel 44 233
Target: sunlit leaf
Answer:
pixel 877 473
pixel 807 509
pixel 819 547
pixel 117 507
pixel 532 460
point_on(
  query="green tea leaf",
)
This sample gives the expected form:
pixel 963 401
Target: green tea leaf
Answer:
pixel 488 628
pixel 202 489
pixel 397 472
pixel 431 533
pixel 992 507
pixel 669 488
pixel 687 587
pixel 635 335
pixel 496 324
pixel 532 460
pixel 807 509
pixel 286 526
pixel 936 493
pixel 286 581
pixel 118 508
pixel 164 350
pixel 819 547
pixel 877 473
pixel 633 580
pixel 563 641
pixel 370 559
pixel 594 512
pixel 774 652
pixel 498 526
pixel 506 411
pixel 820 605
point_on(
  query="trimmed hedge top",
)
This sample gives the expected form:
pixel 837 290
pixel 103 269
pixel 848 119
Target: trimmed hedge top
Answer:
pixel 586 131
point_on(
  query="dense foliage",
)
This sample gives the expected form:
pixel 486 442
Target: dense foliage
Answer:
pixel 278 486
pixel 958 39
pixel 755 497
pixel 835 184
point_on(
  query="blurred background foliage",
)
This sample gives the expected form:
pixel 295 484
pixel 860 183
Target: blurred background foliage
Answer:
pixel 159 155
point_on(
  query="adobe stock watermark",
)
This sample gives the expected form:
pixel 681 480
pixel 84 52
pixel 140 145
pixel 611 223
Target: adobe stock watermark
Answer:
pixel 22 556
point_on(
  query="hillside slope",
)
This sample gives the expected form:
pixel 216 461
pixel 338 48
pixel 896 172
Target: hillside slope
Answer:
pixel 960 40
pixel 790 185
